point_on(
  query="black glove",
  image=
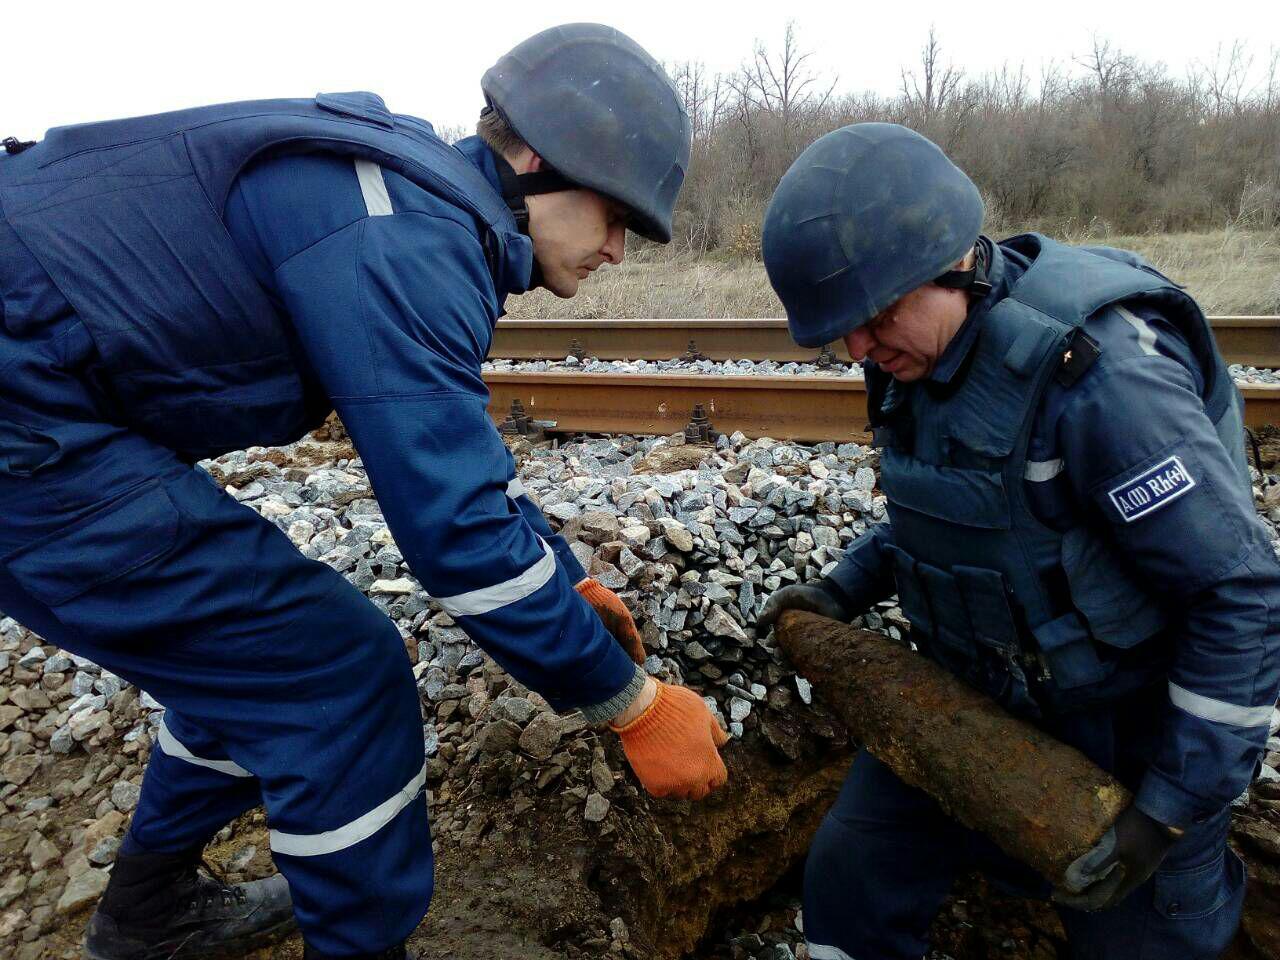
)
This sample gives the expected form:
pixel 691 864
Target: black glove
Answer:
pixel 820 598
pixel 1126 856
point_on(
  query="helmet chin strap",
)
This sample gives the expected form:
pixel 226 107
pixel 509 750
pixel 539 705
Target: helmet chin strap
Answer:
pixel 973 281
pixel 517 186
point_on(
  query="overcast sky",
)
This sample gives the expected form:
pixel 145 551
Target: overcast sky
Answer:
pixel 66 62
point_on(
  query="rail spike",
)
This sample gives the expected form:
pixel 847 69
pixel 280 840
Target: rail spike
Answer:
pixel 692 353
pixel 699 429
pixel 519 423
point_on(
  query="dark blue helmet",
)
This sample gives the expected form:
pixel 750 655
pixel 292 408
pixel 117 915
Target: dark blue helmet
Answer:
pixel 602 112
pixel 866 214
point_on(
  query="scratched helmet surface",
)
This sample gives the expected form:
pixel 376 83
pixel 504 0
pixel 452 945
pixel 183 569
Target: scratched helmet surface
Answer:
pixel 865 215
pixel 602 112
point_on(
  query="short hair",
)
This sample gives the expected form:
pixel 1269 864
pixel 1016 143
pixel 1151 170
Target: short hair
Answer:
pixel 494 130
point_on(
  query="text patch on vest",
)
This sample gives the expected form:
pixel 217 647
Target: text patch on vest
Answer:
pixel 1154 488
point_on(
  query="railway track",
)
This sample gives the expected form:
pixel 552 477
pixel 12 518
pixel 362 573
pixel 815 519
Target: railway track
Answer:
pixel 1252 341
pixel 810 409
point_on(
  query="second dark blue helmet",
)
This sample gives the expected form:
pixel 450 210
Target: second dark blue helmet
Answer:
pixel 603 113
pixel 865 215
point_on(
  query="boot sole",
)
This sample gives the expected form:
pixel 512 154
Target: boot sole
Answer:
pixel 236 947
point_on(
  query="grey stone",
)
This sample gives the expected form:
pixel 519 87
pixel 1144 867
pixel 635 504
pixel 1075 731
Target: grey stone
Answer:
pixel 805 689
pixel 82 890
pixel 607 574
pixel 58 663
pixel 14 887
pixel 18 770
pixel 401 587
pixel 676 534
pixel 62 742
pixel 499 736
pixel 32 659
pixel 630 565
pixel 517 709
pixel 125 795
pixel 599 527
pixel 601 776
pixel 86 723
pixel 596 809
pixel 108 685
pixel 562 511
pixel 541 737
pixel 41 851
pixel 105 851
pixel 82 683
pixel 721 624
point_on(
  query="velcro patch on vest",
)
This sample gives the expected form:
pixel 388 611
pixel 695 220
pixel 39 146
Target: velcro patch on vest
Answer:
pixel 1155 488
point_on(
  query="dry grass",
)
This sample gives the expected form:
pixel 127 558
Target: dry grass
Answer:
pixel 1229 271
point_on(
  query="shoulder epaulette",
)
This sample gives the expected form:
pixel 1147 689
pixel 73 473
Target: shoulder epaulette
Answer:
pixel 1082 350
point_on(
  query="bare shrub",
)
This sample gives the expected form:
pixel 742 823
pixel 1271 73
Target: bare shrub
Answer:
pixel 1106 143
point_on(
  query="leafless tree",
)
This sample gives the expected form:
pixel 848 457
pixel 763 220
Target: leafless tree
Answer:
pixel 1225 78
pixel 1105 139
pixel 1112 69
pixel 782 84
pixel 934 89
pixel 705 97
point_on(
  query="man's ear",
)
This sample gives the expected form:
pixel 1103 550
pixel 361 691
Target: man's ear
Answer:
pixel 526 161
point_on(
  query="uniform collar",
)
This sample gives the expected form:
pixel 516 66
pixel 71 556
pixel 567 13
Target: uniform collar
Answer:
pixel 958 350
pixel 523 275
pixel 482 157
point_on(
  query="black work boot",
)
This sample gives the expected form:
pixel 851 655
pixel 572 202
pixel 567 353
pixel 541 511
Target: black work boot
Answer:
pixel 159 906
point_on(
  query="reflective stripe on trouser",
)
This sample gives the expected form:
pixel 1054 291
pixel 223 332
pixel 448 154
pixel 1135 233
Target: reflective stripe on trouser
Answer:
pixel 886 856
pixel 266 661
pixel 191 790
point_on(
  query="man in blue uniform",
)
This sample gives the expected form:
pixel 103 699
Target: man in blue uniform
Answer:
pixel 186 284
pixel 1071 529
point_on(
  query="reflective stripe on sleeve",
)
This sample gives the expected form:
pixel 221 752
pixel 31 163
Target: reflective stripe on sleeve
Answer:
pixel 1206 708
pixel 374 187
pixel 515 488
pixel 1038 471
pixel 170 745
pixel 500 594
pixel 1146 336
pixel 821 951
pixel 348 835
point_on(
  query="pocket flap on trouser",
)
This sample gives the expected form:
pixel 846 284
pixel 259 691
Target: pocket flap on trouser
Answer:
pixel 105 545
pixel 1194 893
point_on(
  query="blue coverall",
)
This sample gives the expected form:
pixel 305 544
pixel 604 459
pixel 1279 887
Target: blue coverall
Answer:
pixel 886 855
pixel 283 684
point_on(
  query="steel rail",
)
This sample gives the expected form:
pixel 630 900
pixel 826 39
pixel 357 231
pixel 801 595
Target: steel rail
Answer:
pixel 1252 341
pixel 810 409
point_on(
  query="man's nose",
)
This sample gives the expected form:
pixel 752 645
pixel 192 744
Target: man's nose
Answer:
pixel 615 244
pixel 859 342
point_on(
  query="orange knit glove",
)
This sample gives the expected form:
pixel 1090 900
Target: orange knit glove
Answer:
pixel 673 745
pixel 615 616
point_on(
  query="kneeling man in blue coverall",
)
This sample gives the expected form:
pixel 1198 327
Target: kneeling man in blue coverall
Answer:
pixel 1071 529
pixel 182 285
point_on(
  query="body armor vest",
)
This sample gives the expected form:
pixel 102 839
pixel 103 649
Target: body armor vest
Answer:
pixel 125 217
pixel 1039 618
